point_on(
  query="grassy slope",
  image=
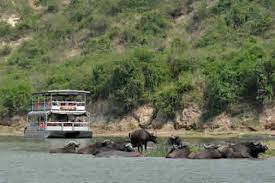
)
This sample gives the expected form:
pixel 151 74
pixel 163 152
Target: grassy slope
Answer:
pixel 172 45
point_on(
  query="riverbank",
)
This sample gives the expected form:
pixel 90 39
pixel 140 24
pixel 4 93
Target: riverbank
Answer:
pixel 193 134
pixel 11 130
pixel 165 132
pixel 168 130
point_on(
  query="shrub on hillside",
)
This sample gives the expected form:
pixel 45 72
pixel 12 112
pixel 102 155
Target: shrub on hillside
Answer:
pixel 98 44
pixel 243 77
pixel 15 97
pixel 153 67
pixel 130 80
pixel 248 17
pixel 153 23
pixel 29 54
pixel 4 51
pixel 200 14
pixel 7 32
pixel 169 98
pixel 5 29
pixel 222 5
pixel 265 71
pixel 182 63
pixel 131 36
pixel 126 85
pixel 140 5
pixel 99 79
pixel 57 28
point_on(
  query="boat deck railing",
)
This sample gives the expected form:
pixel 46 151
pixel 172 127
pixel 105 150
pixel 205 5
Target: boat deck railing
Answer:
pixel 66 126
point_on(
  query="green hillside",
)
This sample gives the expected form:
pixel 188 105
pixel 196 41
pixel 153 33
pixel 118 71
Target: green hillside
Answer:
pixel 169 53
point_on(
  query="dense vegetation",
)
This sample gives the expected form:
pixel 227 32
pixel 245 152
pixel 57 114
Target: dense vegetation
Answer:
pixel 216 53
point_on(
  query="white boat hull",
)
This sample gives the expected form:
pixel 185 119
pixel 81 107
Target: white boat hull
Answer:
pixel 36 133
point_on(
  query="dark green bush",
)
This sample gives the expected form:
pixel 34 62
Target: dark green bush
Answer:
pixel 132 36
pixel 223 5
pixel 153 23
pixel 126 85
pixel 153 67
pixel 52 8
pixel 182 63
pixel 15 97
pixel 243 78
pixel 168 100
pixel 265 71
pixel 98 85
pixel 99 44
pixel 140 5
pixel 248 17
pixel 5 29
pixel 4 51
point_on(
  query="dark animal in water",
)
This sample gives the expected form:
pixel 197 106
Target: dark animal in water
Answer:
pixel 106 145
pixel 71 147
pixel 93 148
pixel 207 154
pixel 139 138
pixel 182 152
pixel 242 150
pixel 238 150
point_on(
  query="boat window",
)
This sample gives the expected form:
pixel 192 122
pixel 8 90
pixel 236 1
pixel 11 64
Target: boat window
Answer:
pixel 58 118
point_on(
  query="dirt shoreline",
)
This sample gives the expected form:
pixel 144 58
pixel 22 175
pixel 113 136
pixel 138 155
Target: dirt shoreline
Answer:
pixel 98 132
pixel 193 134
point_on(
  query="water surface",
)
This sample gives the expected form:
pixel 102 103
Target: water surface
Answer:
pixel 25 161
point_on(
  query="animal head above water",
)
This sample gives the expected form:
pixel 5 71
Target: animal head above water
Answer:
pixel 73 143
pixel 153 138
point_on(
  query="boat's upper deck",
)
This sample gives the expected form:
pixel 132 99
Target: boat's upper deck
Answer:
pixel 60 100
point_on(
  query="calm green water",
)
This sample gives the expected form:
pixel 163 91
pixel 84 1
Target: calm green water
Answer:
pixel 26 161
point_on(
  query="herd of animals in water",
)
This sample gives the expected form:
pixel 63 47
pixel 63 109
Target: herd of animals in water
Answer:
pixel 178 149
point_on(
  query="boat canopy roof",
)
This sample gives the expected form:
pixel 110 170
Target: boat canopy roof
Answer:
pixel 62 92
pixel 42 113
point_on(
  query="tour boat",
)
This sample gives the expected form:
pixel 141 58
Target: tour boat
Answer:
pixel 59 114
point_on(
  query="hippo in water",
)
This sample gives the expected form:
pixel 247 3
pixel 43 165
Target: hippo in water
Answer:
pixel 140 138
pixel 71 147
